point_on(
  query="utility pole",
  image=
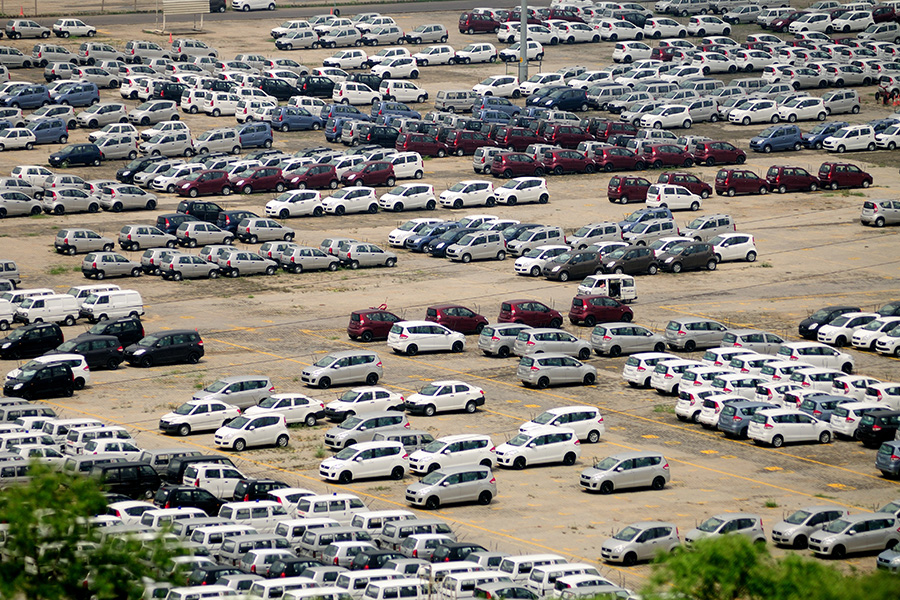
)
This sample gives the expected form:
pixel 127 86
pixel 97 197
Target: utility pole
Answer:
pixel 523 42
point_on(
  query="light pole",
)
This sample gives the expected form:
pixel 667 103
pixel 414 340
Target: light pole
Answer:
pixel 523 42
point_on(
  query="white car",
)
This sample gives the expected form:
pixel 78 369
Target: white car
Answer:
pixel 347 59
pixel 442 396
pixel 503 86
pixel 812 22
pixel 589 78
pixel 703 25
pixel 885 393
pixel 351 92
pixel 366 460
pixel 409 196
pixel 817 355
pixel 539 81
pixel 664 27
pixel 397 68
pixel 114 129
pixel 734 246
pixel 295 408
pixel 66 27
pixel 534 51
pixel 351 200
pixel 412 337
pixel 577 33
pixel 628 52
pixel 802 109
pixel 435 55
pixel 585 421
pixel 857 20
pixel 845 417
pixel 532 262
pixel 388 53
pixel 889 344
pixel 198 415
pixel 509 33
pixel 363 400
pixel 296 203
pixel 452 451
pixel 760 110
pixel 854 137
pixel 681 73
pixel 523 190
pixel 775 426
pixel 753 60
pixel 840 330
pixel 397 238
pixel 476 53
pixel 17 138
pixel 265 429
pixel 673 197
pixel 852 386
pixel 122 448
pixel 867 337
pixel 402 91
pixel 668 116
pixel 471 192
pixel 714 62
pixel 340 36
pixel 540 445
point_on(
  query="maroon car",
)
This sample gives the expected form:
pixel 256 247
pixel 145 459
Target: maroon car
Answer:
pixel 566 136
pixel 316 177
pixel 883 12
pixel 691 182
pixel 783 179
pixel 718 153
pixel 731 182
pixel 425 145
pixel 371 173
pixel 602 129
pixel 627 188
pixel 456 317
pixel 615 158
pixel 567 161
pixel 667 155
pixel 515 164
pixel 470 23
pixel 211 182
pixel 590 310
pixel 781 25
pixel 260 179
pixel 664 54
pixel 529 312
pixel 371 324
pixel 462 142
pixel 517 138
pixel 842 175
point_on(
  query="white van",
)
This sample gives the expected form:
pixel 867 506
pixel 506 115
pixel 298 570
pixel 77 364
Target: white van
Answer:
pixel 408 589
pixel 340 507
pixel 519 567
pixel 7 314
pixel 373 521
pixel 162 517
pixel 294 529
pixel 393 534
pixel 356 582
pixel 201 592
pixel 81 292
pixel 112 305
pixel 542 580
pixel 16 296
pixel 436 572
pixel 213 536
pixel 320 593
pixel 262 515
pixel 233 549
pixel 462 585
pixel 55 308
pixel 77 438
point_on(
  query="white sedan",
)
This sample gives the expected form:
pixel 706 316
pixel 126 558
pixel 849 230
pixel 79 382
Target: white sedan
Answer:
pixel 755 111
pixel 295 408
pixel 734 246
pixel 440 396
pixel 522 190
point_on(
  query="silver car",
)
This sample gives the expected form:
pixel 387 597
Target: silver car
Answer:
pixel 880 212
pixel 135 237
pixel 627 470
pixel 240 262
pixel 253 231
pixel 117 147
pixel 124 196
pixel 199 233
pixel 753 339
pixel 499 339
pixel 367 255
pixel 101 77
pixel 544 370
pixel 691 333
pixel 304 258
pixel 865 532
pixel 346 367
pixel 101 265
pixel 453 485
pixel 537 341
pixel 57 181
pixel 795 530
pixel 154 111
pixel 73 241
pixel 616 339
pixel 66 113
pixel 362 428
pixel 242 391
pixel 14 184
pixel 187 266
pixel 68 200
pixel 640 541
pixel 744 524
pixel 152 258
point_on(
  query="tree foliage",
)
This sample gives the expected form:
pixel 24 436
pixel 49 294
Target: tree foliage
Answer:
pixel 734 568
pixel 51 549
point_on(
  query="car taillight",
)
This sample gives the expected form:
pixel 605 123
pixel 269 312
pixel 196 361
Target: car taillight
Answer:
pixel 876 427
pixel 680 332
pixel 668 376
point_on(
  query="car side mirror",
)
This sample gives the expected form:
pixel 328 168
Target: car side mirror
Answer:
pixel 335 366
pixel 251 428
pixel 444 484
pixel 619 469
pixel 851 533
pixel 532 445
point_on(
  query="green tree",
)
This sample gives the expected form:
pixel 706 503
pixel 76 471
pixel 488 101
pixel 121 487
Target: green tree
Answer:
pixel 52 551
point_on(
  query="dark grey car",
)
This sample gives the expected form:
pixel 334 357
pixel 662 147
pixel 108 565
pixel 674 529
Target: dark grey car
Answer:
pixel 734 419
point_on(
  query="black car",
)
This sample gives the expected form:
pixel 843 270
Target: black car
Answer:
pixel 201 209
pixel 383 135
pixel 46 380
pixel 77 154
pixel 169 90
pixel 208 574
pixel 183 496
pixel 221 85
pixel 419 243
pixel 214 7
pixel 453 551
pixel 316 86
pixel 809 327
pixel 177 466
pixel 99 351
pixel 126 174
pixel 169 222
pixel 132 479
pixel 31 340
pixel 291 567
pixel 891 309
pixel 878 426
pixel 369 79
pixel 166 347
pixel 438 247
pixel 373 560
pixel 228 219
pixel 249 490
pixel 279 88
pixel 128 330
pixel 688 256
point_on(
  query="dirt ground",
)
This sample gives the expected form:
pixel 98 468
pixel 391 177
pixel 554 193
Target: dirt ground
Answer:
pixel 813 252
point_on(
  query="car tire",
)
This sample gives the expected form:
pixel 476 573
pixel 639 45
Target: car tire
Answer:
pixel 239 445
pixel 606 487
pixel 310 420
pixel 777 441
pixel 433 503
pixel 146 362
pixel 345 477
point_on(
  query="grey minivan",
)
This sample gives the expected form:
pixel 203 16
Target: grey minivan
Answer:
pixel 242 391
pixel 795 530
pixel 691 333
pixel 453 485
pixel 346 367
pixel 734 419
pixel 627 470
pixel 864 532
pixel 363 428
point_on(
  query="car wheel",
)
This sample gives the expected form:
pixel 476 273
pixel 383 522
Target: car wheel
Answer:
pixel 324 383
pixel 239 445
pixel 345 477
pixel 146 362
pixel 176 276
pixel 782 189
pixel 606 487
pixel 777 441
pixel 433 503
pixel 879 222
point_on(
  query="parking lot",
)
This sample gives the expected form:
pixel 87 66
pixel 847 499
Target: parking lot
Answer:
pixel 812 252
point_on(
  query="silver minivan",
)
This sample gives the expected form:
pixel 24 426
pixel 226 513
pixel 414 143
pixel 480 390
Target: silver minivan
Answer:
pixel 346 367
pixel 532 238
pixel 453 485
pixel 362 428
pixel 482 245
pixel 500 338
pixel 691 333
pixel 627 470
pixel 865 532
pixel 455 100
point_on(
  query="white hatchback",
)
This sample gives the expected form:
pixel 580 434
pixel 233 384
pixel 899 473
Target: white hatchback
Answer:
pixel 408 196
pixel 366 460
pixel 673 197
pixel 295 203
pixel 532 263
pixel 502 86
pixel 266 429
pixel 351 200
pixel 734 246
pixel 412 337
pixel 471 192
pixel 522 190
pixel 668 116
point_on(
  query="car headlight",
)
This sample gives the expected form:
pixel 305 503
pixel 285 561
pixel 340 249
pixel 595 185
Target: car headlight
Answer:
pixel 18 386
pixel 556 268
pixel 814 326
pixel 670 259
pixel 139 352
pixel 6 345
pixel 185 186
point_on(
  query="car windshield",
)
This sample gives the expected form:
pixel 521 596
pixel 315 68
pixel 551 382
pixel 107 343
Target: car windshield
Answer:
pixel 457 187
pixel 820 314
pixel 268 402
pixel 346 453
pixel 519 440
pixel 534 253
pixel 839 322
pixel 890 507
pixel 434 447
pixel 696 223
pixel 145 342
pixel 767 132
pixel 606 464
pixel 325 361
pixel 820 128
pixel 350 423
pixel 192 176
pixel 408 226
pixel 349 396
pixel 67 346
pixel 237 423
pixel 840 133
pixel 432 478
pixel 429 390
pixel 798 517
pixel 616 254
pixel 711 524
pixel 633 217
pixel 837 526
pixel 184 409
pixel 627 534
pixel 676 249
pixel 216 387
pixel 544 418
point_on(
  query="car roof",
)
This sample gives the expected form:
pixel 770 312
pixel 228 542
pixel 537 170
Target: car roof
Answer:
pixel 464 468
pixel 635 454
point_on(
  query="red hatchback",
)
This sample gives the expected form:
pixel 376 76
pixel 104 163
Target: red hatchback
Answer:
pixel 260 179
pixel 730 182
pixel 691 182
pixel 210 182
pixel 371 324
pixel 515 164
pixel 590 310
pixel 667 155
pixel 419 142
pixel 529 312
pixel 566 136
pixel 372 173
pixel 722 153
pixel 615 158
pixel 477 23
pixel 456 317
pixel 317 177
pixel 843 175
pixel 783 179
pixel 462 142
pixel 517 138
pixel 567 161
pixel 627 188
pixel 602 129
